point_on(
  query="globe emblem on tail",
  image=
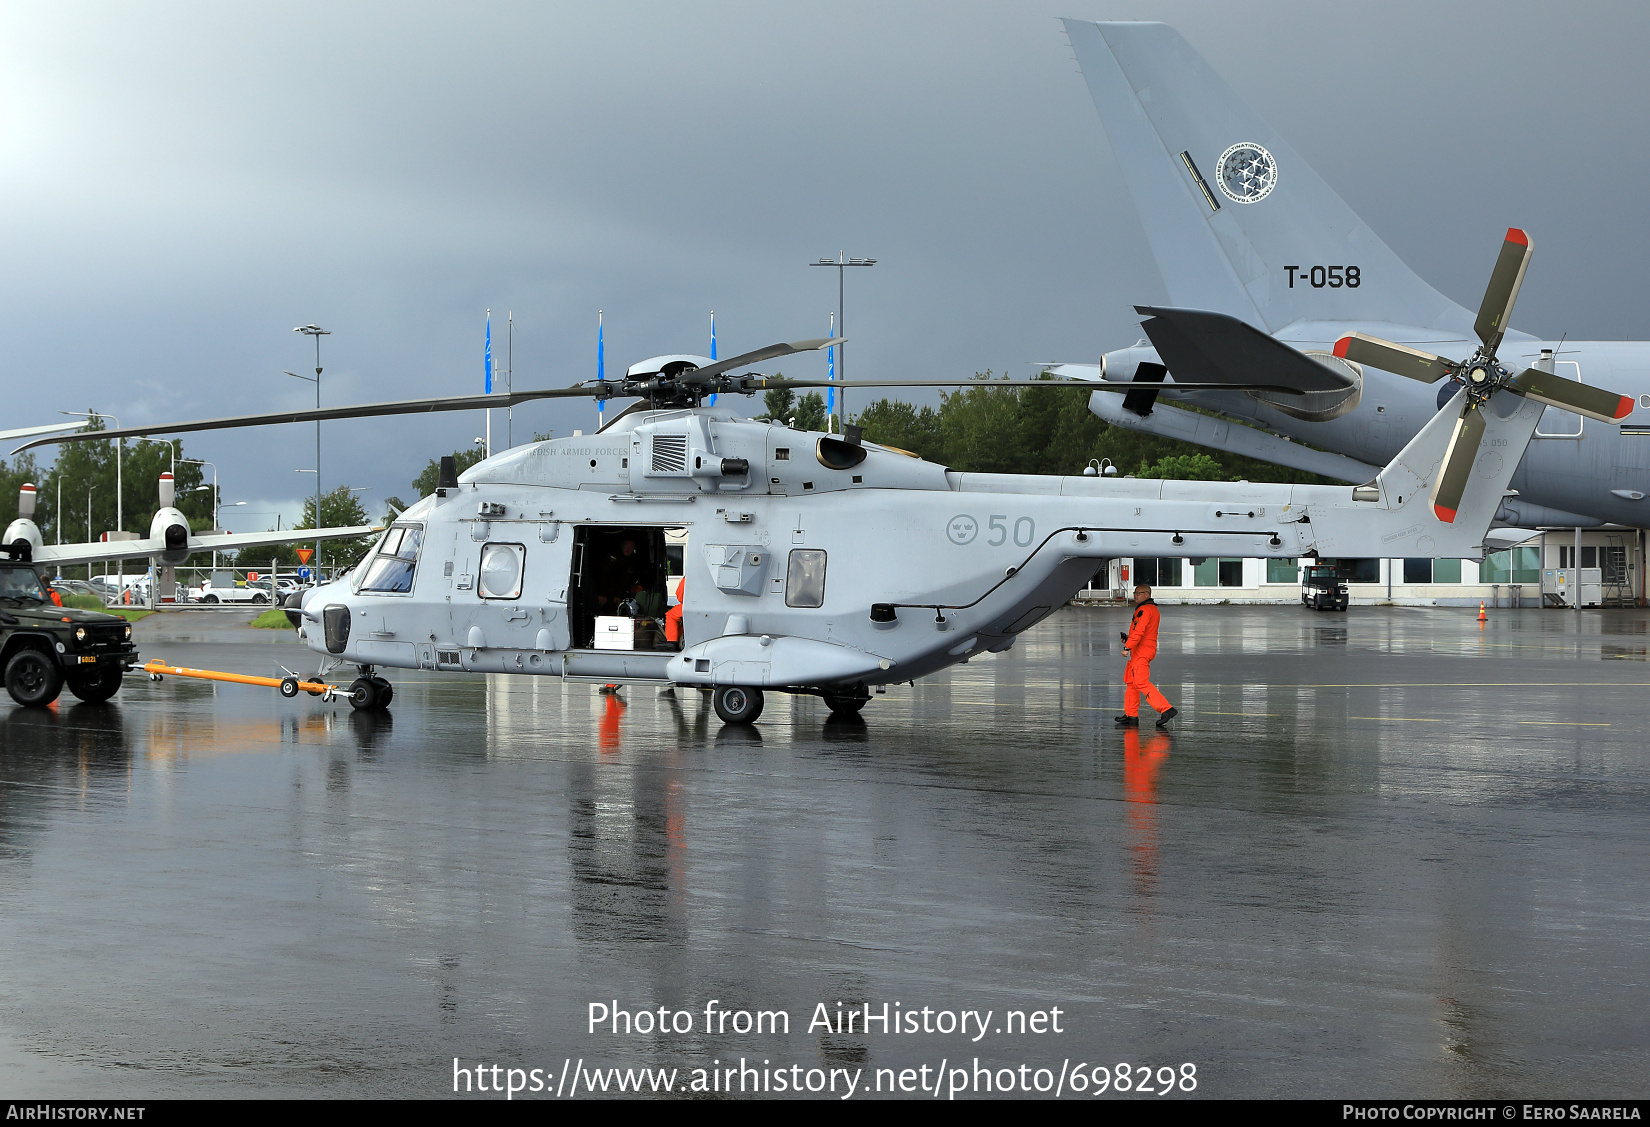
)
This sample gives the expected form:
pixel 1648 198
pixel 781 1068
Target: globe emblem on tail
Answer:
pixel 1246 173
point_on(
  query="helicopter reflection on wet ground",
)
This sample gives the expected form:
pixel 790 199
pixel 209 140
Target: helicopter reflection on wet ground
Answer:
pixel 1387 852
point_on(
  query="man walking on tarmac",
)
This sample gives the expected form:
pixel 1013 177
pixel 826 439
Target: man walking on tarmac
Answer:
pixel 1141 644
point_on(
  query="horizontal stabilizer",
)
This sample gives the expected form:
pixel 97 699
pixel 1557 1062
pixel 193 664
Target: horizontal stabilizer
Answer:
pixel 1204 347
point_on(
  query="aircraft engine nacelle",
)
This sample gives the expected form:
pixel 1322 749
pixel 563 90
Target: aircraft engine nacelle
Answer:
pixel 1121 364
pixel 171 528
pixel 22 536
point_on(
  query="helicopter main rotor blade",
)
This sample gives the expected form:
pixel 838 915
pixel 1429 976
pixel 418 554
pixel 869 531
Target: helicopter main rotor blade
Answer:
pixel 766 384
pixel 312 414
pixel 1505 279
pixel 1456 467
pixel 1556 391
pixel 772 352
pixel 1399 359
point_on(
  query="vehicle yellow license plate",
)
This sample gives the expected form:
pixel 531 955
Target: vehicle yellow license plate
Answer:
pixel 88 660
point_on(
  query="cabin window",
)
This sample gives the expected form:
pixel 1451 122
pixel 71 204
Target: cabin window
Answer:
pixel 501 568
pixel 390 571
pixel 805 578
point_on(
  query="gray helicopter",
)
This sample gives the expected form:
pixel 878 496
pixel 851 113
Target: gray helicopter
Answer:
pixel 813 563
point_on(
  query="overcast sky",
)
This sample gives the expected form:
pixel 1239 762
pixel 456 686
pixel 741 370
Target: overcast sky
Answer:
pixel 183 184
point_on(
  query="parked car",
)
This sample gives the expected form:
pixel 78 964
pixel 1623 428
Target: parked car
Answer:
pixel 221 589
pixel 67 587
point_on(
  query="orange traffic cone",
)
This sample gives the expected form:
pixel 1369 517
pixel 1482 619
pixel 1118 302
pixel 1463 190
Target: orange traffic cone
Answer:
pixel 1482 617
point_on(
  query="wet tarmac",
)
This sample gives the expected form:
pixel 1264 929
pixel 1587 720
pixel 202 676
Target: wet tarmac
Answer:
pixel 1381 853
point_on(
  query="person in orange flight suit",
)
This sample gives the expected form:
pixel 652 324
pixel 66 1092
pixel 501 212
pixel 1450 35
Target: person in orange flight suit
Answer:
pixel 673 616
pixel 1141 642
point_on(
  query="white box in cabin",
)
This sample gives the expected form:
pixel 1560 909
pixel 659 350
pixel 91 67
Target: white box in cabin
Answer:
pixel 615 633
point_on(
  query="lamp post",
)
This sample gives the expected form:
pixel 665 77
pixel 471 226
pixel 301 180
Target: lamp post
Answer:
pixel 842 264
pixel 317 332
pixel 202 488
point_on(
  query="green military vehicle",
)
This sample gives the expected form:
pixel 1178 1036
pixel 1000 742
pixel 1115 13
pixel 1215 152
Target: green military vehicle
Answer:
pixel 44 646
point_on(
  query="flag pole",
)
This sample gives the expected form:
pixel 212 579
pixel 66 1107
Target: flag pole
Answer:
pixel 487 385
pixel 712 400
pixel 601 370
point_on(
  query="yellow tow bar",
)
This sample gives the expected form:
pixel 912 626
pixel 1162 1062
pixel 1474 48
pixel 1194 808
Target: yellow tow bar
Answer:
pixel 290 686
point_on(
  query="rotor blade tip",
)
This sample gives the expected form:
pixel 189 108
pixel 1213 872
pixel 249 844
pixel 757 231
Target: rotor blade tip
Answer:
pixel 1443 514
pixel 1624 408
pixel 1341 346
pixel 1514 235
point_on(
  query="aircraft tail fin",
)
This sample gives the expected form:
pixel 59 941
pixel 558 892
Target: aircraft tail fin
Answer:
pixel 1237 222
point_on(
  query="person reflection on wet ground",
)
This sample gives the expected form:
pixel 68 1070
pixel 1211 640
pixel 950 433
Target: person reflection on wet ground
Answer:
pixel 607 731
pixel 1140 767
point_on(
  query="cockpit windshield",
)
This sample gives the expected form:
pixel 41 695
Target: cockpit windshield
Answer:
pixel 390 570
pixel 20 584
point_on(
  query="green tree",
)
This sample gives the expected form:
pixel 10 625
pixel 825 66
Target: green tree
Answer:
pixel 779 403
pixel 893 422
pixel 810 412
pixel 980 428
pixel 1184 467
pixel 424 483
pixel 339 509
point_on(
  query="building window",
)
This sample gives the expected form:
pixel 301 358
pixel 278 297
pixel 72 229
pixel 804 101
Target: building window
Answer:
pixel 1515 565
pixel 1359 571
pixel 1163 572
pixel 1283 571
pixel 1446 571
pixel 1218 573
pixel 1418 571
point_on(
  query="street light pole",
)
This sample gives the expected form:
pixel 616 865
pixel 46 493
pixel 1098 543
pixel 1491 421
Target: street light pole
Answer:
pixel 842 323
pixel 216 496
pixel 317 332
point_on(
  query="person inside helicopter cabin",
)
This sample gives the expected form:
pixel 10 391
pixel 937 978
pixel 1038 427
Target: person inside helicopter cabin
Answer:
pixel 621 570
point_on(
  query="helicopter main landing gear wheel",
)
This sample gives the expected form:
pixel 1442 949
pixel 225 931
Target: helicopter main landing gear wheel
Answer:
pixel 843 704
pixel 737 705
pixel 386 692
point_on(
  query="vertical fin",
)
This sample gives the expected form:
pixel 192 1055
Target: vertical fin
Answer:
pixel 1171 119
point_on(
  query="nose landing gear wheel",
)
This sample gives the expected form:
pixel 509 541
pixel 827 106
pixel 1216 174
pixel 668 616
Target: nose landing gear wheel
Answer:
pixel 363 694
pixel 736 705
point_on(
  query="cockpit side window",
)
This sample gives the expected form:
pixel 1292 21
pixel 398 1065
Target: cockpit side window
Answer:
pixel 390 571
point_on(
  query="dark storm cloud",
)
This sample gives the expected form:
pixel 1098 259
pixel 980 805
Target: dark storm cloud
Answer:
pixel 183 184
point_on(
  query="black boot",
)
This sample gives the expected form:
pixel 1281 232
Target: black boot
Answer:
pixel 1163 721
pixel 1128 721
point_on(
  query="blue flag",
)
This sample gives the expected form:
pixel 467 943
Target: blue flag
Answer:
pixel 488 357
pixel 830 372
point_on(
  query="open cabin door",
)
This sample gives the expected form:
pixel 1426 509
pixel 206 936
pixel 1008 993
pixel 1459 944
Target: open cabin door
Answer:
pixel 620 572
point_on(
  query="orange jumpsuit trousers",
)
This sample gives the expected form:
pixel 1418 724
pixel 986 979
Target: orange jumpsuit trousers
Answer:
pixel 1137 675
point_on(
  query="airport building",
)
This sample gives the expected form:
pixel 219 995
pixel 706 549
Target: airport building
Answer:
pixel 1607 564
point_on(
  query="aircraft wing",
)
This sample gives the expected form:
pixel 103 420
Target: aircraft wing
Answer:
pixel 215 542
